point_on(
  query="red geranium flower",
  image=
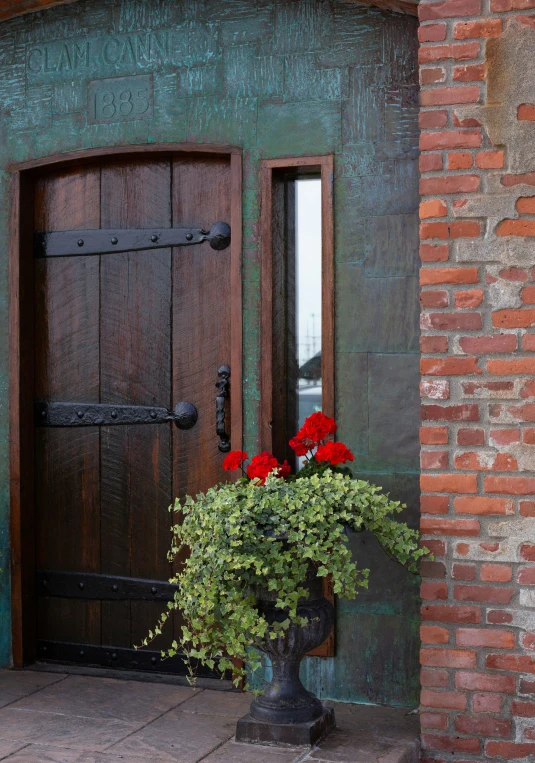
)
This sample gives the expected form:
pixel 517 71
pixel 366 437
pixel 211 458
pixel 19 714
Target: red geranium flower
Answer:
pixel 234 460
pixel 264 464
pixel 314 430
pixel 334 453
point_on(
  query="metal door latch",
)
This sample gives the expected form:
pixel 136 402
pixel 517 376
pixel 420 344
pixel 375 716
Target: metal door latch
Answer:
pixel 184 415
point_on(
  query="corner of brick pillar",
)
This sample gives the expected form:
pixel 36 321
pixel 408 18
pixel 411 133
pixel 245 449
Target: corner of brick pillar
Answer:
pixel 477 164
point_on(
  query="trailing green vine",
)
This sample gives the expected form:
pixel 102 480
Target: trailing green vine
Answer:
pixel 264 532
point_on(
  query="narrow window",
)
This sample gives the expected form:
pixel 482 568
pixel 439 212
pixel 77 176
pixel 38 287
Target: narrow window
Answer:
pixel 297 280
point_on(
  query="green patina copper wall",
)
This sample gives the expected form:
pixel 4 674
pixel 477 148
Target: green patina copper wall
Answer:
pixel 276 78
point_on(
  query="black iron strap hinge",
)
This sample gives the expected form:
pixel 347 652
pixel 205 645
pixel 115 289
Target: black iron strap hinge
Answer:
pixel 75 242
pixel 184 414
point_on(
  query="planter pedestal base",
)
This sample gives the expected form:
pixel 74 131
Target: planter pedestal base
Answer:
pixel 252 731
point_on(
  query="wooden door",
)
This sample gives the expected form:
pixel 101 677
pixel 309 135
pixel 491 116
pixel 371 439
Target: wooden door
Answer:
pixel 147 327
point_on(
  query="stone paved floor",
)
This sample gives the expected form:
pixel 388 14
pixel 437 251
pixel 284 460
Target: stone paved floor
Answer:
pixel 59 718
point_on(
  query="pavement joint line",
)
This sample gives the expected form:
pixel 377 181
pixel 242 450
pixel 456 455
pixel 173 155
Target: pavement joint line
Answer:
pixel 143 726
pixel 36 691
pixel 70 715
pixel 14 752
pixel 224 741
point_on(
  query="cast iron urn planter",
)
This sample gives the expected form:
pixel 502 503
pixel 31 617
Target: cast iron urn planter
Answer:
pixel 287 714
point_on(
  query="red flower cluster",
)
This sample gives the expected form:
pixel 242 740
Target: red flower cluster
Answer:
pixel 334 452
pixel 234 460
pixel 311 435
pixel 264 464
pixel 314 430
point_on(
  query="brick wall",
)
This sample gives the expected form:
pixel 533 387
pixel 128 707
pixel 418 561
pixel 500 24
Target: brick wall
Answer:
pixel 478 378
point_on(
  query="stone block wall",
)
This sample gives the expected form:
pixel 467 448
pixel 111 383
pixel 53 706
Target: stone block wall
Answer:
pixel 477 119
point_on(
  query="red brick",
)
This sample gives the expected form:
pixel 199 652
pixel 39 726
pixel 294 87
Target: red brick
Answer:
pixel 428 76
pixel 451 744
pixel 499 617
pixel 434 678
pixel 486 726
pixel 444 231
pixel 523 709
pixel 496 573
pixel 529 436
pixel 447 658
pixel 447 700
pixel 460 51
pixel 487 703
pixel 434 459
pixel 488 344
pixel 481 637
pixel 438 721
pixel 526 205
pixel 513 663
pixel 433 344
pixel 434 252
pixel 443 613
pixel 449 96
pixel 436 141
pixel 527 687
pixel 500 462
pixel 433 208
pixel 431 276
pixel 511 367
pixel 528 295
pixel 528 389
pixel 453 366
pixel 465 300
pixel 490 160
pixel 527 508
pixel 432 33
pixel 430 162
pixel 435 298
pixel 464 572
pixel 527 552
pixel 470 73
pixel 526 576
pixel 485 28
pixel 480 593
pixel 510 485
pixel 482 506
pixel 432 569
pixel 466 412
pixel 448 9
pixel 434 634
pixel 435 389
pixel 516 228
pixel 498 6
pixel 514 274
pixel 452 321
pixel 432 119
pixel 453 527
pixel 504 436
pixel 436 547
pixel 434 504
pixel 460 160
pixel 434 435
pixel 433 591
pixel 527 641
pixel 509 750
pixel 528 342
pixel 514 319
pixel 471 437
pixel 526 112
pixel 485 682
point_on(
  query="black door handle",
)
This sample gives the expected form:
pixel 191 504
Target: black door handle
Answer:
pixel 223 386
pixel 184 414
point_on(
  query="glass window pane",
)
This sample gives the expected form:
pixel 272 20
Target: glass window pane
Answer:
pixel 308 295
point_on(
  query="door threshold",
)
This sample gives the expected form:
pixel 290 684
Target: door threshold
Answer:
pixel 130 675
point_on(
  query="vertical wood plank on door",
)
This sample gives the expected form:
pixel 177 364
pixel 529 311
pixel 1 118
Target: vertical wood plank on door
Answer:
pixel 67 369
pixel 135 369
pixel 201 318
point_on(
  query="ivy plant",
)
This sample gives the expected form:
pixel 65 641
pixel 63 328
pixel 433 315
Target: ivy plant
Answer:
pixel 265 532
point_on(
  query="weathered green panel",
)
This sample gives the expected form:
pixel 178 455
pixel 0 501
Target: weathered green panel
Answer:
pixel 276 78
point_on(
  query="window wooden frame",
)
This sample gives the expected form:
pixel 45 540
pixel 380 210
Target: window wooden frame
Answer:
pixel 325 167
